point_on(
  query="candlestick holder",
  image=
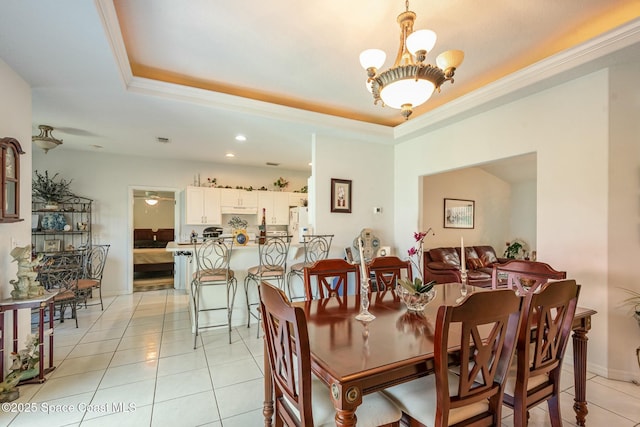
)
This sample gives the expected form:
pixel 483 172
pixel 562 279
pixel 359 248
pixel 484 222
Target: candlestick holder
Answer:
pixel 364 314
pixel 463 286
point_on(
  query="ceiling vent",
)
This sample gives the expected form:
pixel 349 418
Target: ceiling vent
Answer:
pixel 163 140
pixel 272 164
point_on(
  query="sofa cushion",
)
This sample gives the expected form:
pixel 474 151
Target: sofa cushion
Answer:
pixel 445 255
pixel 477 275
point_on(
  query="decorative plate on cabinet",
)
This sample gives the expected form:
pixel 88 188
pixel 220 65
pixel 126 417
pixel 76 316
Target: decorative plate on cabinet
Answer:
pixel 53 222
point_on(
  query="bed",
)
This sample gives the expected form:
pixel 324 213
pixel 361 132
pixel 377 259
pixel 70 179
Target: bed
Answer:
pixel 149 253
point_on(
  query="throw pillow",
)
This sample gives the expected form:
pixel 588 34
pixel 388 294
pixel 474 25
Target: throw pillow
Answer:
pixel 489 258
pixel 474 263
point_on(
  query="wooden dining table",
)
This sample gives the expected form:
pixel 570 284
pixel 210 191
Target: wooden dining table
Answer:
pixel 356 358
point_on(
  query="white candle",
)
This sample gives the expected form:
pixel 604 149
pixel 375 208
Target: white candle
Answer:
pixel 362 263
pixel 463 264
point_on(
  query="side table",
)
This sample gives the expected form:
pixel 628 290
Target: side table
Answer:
pixel 41 304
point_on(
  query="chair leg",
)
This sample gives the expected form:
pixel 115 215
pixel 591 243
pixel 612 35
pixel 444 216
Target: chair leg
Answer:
pixel 246 295
pixel 100 295
pixel 195 289
pixel 520 414
pixel 554 411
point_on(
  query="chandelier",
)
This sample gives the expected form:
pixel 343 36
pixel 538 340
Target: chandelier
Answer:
pixel 410 82
pixel 45 140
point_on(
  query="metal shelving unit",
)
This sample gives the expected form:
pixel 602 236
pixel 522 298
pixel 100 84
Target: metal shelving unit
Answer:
pixel 48 231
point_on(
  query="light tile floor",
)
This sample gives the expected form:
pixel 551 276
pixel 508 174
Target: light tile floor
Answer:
pixel 133 364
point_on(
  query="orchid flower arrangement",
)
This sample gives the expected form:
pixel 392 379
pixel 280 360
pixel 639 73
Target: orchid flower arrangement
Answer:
pixel 416 257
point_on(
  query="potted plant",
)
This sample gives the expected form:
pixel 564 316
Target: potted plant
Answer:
pixel 281 183
pixel 634 302
pixel 416 294
pixel 49 189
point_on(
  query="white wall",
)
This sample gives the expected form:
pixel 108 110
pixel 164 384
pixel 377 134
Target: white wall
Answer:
pixel 492 208
pixel 522 223
pixel 370 168
pixel 624 219
pixel 159 216
pixel 15 121
pixel 108 180
pixel 567 126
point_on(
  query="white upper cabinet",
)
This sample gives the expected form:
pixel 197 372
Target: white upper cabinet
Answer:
pixel 202 206
pixel 238 201
pixel 276 205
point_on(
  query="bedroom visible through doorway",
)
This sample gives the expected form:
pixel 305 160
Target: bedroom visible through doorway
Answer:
pixel 153 228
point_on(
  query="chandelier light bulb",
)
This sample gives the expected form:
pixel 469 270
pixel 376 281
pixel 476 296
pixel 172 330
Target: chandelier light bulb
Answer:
pixel 421 40
pixel 372 58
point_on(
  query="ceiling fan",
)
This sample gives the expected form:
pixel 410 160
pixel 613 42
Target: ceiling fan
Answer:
pixel 152 198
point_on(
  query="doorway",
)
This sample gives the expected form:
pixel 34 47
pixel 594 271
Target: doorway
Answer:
pixel 153 227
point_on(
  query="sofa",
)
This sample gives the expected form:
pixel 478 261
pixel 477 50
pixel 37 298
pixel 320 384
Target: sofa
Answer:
pixel 443 264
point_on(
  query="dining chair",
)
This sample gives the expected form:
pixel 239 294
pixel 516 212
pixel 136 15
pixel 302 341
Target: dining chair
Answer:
pixel 484 326
pixel 59 273
pixel 301 399
pixel 524 276
pixel 272 266
pixel 93 262
pixel 213 258
pixel 387 270
pixel 534 376
pixel 329 278
pixel 316 247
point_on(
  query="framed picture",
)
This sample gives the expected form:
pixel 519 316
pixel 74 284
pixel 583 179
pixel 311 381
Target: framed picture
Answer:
pixel 51 246
pixel 348 255
pixel 341 195
pixel 459 213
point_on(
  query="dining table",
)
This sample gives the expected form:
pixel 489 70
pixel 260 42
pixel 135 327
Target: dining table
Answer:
pixel 355 358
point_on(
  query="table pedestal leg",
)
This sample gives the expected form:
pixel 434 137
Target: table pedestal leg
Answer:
pixel 580 375
pixel 345 418
pixel 267 409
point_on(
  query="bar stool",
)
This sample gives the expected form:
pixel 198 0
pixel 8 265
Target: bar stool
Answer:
pixel 212 269
pixel 272 257
pixel 316 248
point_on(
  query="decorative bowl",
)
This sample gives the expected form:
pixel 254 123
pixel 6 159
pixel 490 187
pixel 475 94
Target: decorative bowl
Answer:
pixel 415 301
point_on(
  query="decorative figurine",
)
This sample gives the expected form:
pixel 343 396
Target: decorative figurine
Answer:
pixel 26 286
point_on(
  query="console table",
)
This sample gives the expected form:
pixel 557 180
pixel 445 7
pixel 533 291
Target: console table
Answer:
pixel 41 304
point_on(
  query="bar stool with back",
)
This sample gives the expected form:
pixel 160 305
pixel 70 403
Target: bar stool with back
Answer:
pixel 272 257
pixel 213 257
pixel 316 247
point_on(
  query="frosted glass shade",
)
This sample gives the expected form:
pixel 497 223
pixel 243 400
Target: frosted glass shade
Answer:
pixel 421 40
pixel 407 91
pixel 450 59
pixel 372 58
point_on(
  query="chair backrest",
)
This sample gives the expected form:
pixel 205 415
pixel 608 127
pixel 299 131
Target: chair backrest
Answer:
pixel 488 323
pixel 94 261
pixel 544 334
pixel 524 276
pixel 387 270
pixel 316 247
pixel 60 271
pixel 287 340
pixel 331 278
pixel 273 253
pixel 213 258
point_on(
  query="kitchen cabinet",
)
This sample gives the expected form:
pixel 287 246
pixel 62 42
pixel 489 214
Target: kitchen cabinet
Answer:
pixel 238 201
pixel 276 205
pixel 202 206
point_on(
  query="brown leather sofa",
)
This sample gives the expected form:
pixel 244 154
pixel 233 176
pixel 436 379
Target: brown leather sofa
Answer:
pixel 443 264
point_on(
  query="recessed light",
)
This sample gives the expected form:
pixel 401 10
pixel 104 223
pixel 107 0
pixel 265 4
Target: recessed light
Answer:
pixel 241 138
pixel 229 155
